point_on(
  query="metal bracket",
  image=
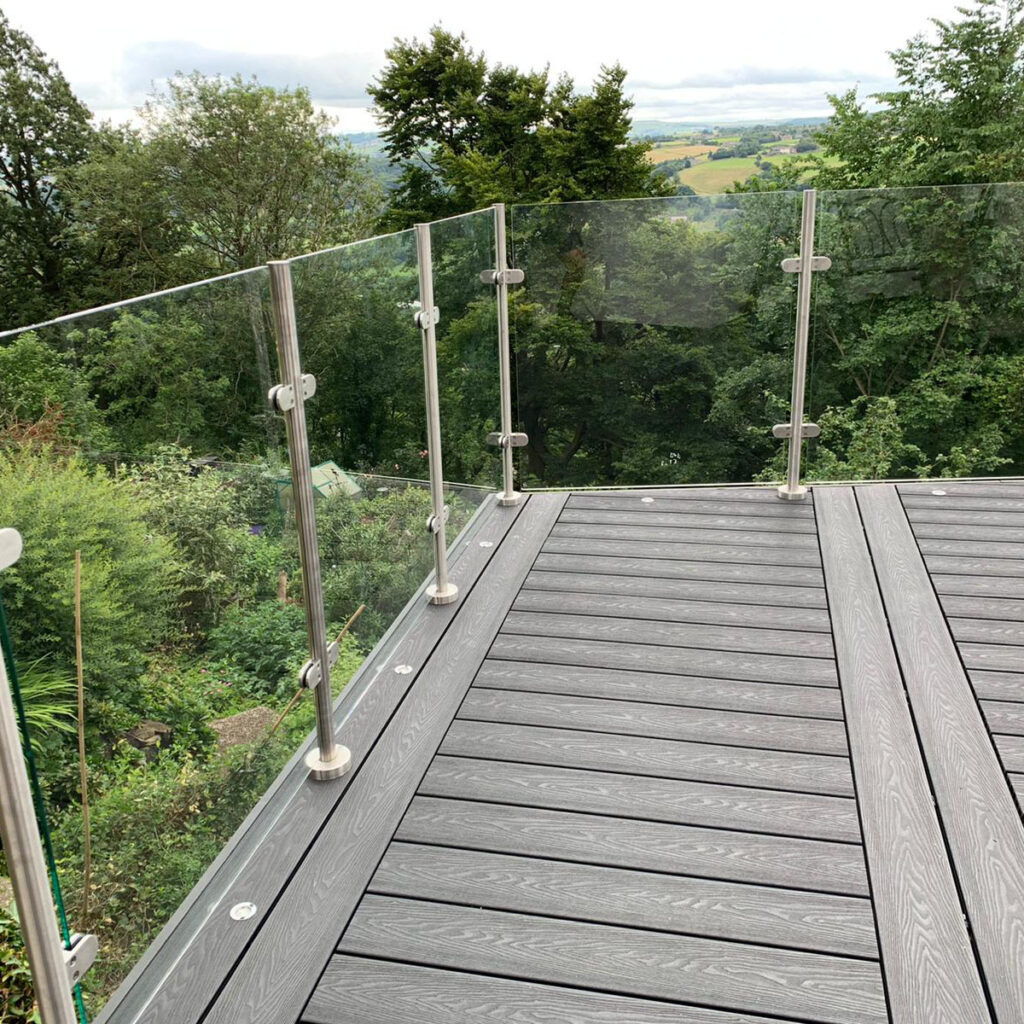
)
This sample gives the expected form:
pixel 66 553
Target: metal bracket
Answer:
pixel 10 547
pixel 282 396
pixel 433 526
pixel 509 276
pixel 496 437
pixel 310 675
pixel 80 957
pixel 423 321
pixel 786 430
pixel 792 265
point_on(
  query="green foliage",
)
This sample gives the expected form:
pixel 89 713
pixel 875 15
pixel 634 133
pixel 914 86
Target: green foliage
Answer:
pixel 374 551
pixel 467 135
pixel 17 997
pixel 957 116
pixel 261 648
pixel 43 131
pixel 48 697
pixel 221 562
pixel 128 571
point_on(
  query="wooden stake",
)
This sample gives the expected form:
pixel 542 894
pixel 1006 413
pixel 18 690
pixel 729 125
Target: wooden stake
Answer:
pixel 298 693
pixel 82 767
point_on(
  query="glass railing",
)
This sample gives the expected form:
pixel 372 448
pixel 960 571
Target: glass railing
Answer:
pixel 917 334
pixel 467 346
pixel 355 309
pixel 141 437
pixel 653 338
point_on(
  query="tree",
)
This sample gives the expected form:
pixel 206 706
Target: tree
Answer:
pixel 231 173
pixel 44 130
pixel 957 117
pixel 466 134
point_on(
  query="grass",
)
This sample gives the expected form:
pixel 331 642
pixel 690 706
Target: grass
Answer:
pixel 712 176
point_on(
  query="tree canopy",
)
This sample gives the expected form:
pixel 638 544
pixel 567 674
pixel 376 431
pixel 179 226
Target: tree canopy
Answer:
pixel 468 134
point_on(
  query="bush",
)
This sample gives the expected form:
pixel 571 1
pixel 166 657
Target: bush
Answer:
pixel 17 999
pixel 262 647
pixel 223 563
pixel 129 573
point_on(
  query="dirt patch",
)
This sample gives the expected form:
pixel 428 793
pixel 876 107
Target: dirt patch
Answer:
pixel 245 727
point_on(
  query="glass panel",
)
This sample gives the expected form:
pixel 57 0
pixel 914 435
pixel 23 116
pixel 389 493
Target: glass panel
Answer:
pixel 355 307
pixel 140 436
pixel 467 346
pixel 653 338
pixel 917 340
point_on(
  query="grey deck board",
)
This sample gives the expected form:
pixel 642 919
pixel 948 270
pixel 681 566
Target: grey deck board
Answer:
pixel 649 658
pixel 1004 716
pixel 1004 609
pixel 720 592
pixel 701 760
pixel 805 815
pixel 998 685
pixel 1000 657
pixel 985 631
pixel 626 564
pixel 341 860
pixel 189 974
pixel 628 961
pixel 736 728
pixel 956 531
pixel 973 798
pixel 978 565
pixel 640 899
pixel 966 489
pixel 1011 752
pixel 686 535
pixel 954 517
pixel 686 520
pixel 669 634
pixel 973 549
pixel 929 965
pixel 699 551
pixel 666 610
pixel 762 859
pixel 962 503
pixel 977 586
pixel 361 990
pixel 632 501
pixel 658 688
pixel 764 497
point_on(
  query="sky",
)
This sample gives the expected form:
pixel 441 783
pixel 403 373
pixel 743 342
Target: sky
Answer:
pixel 705 63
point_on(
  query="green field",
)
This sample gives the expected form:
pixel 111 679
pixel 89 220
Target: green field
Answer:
pixel 712 176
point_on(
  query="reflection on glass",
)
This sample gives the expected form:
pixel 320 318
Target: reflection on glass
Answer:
pixel 653 338
pixel 917 343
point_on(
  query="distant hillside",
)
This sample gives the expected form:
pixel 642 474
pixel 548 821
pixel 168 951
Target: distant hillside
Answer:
pixel 675 129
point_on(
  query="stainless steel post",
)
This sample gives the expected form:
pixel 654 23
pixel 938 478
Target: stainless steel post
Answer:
pixel 330 759
pixel 792 489
pixel 23 848
pixel 509 495
pixel 443 591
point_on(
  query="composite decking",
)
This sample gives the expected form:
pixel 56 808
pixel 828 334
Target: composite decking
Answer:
pixel 695 756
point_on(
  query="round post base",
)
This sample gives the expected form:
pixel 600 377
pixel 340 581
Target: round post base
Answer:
pixel 787 493
pixel 446 596
pixel 511 498
pixel 336 767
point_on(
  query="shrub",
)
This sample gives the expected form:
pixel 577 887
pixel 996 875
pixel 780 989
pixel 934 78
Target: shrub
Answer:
pixel 129 573
pixel 261 647
pixel 199 510
pixel 17 999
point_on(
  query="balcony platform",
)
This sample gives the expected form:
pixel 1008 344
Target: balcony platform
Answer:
pixel 697 756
